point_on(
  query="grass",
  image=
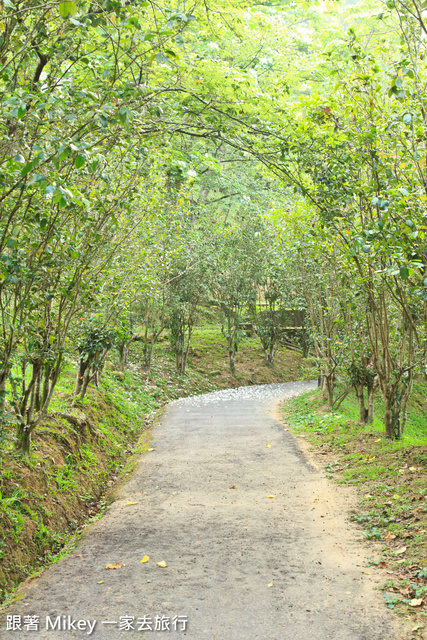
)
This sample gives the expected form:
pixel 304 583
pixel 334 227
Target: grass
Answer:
pixel 391 478
pixel 71 474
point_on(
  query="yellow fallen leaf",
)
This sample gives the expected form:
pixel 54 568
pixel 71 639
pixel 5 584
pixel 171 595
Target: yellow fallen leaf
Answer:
pixel 412 468
pixel 268 445
pixel 367 573
pixel 128 504
pixel 416 602
pixel 389 536
pixel 400 550
pixel 271 496
pixel 100 582
pixel 271 584
pixel 145 559
pixel 379 440
pixel 162 564
pixel 150 449
pixel 396 496
pixel 116 565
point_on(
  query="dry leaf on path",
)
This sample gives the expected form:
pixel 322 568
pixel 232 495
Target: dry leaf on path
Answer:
pixel 100 582
pixel 419 626
pixel 271 496
pixel 416 602
pixel 145 559
pixel 271 584
pixel 268 445
pixel 116 565
pixel 128 504
pixel 382 564
pixel 151 449
pixel 162 564
pixel 233 486
pixel 400 550
pixel 389 536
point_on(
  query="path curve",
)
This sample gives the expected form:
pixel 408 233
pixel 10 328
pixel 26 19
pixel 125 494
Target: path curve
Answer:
pixel 240 565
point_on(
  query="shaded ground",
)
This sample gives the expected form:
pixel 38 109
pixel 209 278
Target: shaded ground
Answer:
pixel 241 564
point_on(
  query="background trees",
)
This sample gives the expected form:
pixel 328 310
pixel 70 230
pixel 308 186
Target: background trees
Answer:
pixel 156 164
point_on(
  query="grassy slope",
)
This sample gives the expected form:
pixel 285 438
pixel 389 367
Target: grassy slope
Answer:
pixel 391 479
pixel 45 499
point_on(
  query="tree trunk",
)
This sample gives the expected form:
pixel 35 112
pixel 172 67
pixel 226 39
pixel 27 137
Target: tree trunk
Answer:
pixel 37 393
pixel 330 391
pixel 392 415
pixel 23 443
pixel 363 413
pixel 371 394
pixel 232 362
pixel 269 354
pixel 123 355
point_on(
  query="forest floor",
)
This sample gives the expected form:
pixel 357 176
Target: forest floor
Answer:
pixel 389 479
pixel 223 524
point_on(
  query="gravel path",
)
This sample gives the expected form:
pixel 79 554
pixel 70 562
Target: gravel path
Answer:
pixel 256 541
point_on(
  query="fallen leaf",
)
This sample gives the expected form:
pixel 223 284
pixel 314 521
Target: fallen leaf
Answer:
pixel 128 504
pixel 389 536
pixel 271 496
pixel 382 564
pixel 268 445
pixel 419 626
pixel 412 468
pixel 233 486
pixel 145 559
pixel 79 555
pixel 162 564
pixel 100 582
pixel 367 573
pixel 379 440
pixel 271 584
pixel 416 602
pixel 396 496
pixel 116 565
pixel 400 550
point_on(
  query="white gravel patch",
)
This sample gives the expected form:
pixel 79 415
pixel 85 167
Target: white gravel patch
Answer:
pixel 261 392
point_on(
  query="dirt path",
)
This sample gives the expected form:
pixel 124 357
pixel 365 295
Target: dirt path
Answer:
pixel 241 565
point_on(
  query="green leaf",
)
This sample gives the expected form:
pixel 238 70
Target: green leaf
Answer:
pixel 22 110
pixel 26 169
pixel 79 161
pixel 404 272
pixel 67 9
pixel 417 156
